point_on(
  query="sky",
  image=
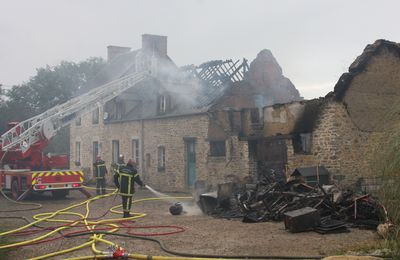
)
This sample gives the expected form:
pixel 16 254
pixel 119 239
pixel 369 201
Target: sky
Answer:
pixel 314 41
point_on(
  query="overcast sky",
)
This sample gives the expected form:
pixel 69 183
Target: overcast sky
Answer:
pixel 314 41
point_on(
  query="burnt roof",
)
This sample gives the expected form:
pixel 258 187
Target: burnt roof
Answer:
pixel 195 89
pixel 361 63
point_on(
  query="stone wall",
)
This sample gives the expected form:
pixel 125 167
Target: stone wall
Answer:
pixel 282 118
pixel 171 134
pixel 104 134
pixel 374 91
pixel 166 132
pixel 234 166
pixel 348 130
pixel 338 145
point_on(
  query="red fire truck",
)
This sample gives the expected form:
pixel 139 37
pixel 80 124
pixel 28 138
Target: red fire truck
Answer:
pixel 32 170
pixel 25 168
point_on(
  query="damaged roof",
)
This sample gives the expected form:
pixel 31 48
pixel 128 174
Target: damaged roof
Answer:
pixel 194 89
pixel 361 63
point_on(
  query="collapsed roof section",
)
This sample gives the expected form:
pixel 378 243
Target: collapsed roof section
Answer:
pixel 215 76
pixel 188 90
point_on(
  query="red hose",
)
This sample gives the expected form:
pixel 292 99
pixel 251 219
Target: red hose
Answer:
pixel 177 230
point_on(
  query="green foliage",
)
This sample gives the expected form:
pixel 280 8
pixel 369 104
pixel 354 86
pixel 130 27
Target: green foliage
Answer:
pixel 387 163
pixel 60 143
pixel 1 96
pixel 49 87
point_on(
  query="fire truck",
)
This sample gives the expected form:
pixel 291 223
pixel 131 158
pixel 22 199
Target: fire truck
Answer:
pixel 24 167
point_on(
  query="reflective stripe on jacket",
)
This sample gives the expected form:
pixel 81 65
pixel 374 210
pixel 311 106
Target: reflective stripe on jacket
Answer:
pixel 127 177
pixel 100 169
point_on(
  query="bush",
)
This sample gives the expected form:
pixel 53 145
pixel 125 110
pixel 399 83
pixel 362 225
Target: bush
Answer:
pixel 387 164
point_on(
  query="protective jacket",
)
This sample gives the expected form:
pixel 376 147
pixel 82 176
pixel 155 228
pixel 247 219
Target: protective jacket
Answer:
pixel 100 169
pixel 116 167
pixel 127 176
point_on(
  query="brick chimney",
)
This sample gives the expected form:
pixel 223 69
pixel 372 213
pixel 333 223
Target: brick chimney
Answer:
pixel 155 43
pixel 114 51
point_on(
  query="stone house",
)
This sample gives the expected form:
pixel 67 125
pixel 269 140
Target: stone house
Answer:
pixel 339 131
pixel 184 124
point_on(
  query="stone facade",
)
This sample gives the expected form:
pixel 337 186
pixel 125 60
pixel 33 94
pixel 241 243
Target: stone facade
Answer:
pixel 188 128
pixel 336 144
pixel 170 133
pixel 347 124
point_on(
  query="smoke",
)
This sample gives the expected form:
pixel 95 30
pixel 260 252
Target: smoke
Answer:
pixel 180 83
pixel 189 208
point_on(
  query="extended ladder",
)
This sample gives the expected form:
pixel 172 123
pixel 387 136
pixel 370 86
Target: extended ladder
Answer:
pixel 44 126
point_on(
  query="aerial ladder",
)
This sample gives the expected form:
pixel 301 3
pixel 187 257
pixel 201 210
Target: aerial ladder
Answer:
pixel 21 147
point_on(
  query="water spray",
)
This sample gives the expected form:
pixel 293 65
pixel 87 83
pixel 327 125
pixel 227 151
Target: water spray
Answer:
pixel 177 207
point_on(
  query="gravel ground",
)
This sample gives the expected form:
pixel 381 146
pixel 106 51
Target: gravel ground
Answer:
pixel 203 234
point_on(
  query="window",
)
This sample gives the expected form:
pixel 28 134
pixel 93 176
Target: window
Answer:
pixel 148 164
pixel 135 151
pixel 161 158
pixel 119 110
pixel 305 142
pixel 231 117
pixel 78 153
pixel 254 116
pixel 217 148
pixel 302 143
pixel 95 116
pixel 95 150
pixel 115 151
pixel 78 121
pixel 162 103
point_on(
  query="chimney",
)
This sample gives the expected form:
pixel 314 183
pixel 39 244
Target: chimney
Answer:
pixel 114 51
pixel 155 43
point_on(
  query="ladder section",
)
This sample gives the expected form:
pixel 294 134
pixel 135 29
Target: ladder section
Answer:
pixel 45 125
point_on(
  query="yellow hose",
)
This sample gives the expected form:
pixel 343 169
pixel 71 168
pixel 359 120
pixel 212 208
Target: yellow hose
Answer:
pixel 89 225
pixel 62 251
pixel 93 188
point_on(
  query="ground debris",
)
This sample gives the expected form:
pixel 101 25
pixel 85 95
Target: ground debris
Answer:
pixel 272 199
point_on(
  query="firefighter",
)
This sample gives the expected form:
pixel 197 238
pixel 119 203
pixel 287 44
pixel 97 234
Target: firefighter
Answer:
pixel 127 176
pixel 115 167
pixel 100 171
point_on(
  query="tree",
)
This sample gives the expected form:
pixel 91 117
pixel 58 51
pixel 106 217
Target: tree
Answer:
pixel 49 87
pixel 1 96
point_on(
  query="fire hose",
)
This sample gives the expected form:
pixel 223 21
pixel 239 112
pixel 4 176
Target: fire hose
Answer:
pixel 83 219
pixel 111 227
pixel 36 205
pixel 189 255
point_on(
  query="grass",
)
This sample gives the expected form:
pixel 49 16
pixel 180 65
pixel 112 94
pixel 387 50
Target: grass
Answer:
pixel 387 164
pixel 363 248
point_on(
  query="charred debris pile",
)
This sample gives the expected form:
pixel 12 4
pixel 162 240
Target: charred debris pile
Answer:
pixel 324 209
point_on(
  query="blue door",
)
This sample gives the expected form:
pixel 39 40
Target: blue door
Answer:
pixel 190 162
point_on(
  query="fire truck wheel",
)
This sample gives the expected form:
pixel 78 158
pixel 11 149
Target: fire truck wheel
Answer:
pixel 15 192
pixel 59 194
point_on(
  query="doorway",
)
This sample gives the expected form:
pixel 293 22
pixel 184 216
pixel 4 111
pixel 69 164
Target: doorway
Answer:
pixel 190 150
